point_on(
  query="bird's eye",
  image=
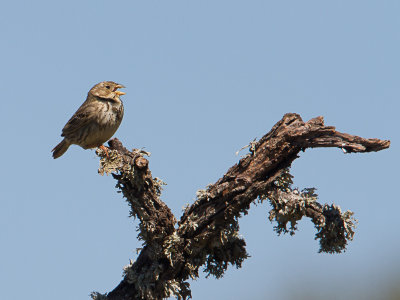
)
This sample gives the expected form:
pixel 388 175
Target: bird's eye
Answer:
pixel 108 87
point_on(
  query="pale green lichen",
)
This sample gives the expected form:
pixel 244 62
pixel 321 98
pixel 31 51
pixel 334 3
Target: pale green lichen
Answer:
pixel 181 290
pixel 169 246
pixel 226 247
pixel 337 229
pixel 185 208
pixel 98 296
pixel 127 271
pixel 284 181
pixel 109 164
pixel 231 251
pixel 158 185
pixel 147 283
pixel 189 225
pixel 289 205
pixel 204 194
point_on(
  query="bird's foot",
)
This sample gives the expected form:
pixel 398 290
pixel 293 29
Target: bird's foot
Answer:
pixel 105 149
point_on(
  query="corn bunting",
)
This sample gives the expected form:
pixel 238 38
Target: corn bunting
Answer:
pixel 95 121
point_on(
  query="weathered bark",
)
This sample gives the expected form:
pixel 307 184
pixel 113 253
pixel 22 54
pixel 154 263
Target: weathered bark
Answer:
pixel 207 233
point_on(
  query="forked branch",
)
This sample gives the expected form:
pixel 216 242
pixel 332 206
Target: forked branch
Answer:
pixel 207 233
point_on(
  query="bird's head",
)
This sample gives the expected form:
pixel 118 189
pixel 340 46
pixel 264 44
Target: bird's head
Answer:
pixel 107 90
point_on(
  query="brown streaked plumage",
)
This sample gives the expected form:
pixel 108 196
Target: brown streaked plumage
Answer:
pixel 95 121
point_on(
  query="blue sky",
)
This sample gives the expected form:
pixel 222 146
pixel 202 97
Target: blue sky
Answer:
pixel 203 79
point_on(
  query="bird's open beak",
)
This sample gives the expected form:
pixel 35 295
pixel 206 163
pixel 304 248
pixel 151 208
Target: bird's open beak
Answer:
pixel 119 93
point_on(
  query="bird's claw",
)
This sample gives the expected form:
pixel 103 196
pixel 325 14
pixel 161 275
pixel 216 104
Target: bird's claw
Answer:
pixel 105 149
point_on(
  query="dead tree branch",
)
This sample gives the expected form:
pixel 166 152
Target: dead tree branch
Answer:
pixel 207 233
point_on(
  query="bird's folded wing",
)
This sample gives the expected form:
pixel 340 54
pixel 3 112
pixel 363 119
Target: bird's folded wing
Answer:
pixel 83 116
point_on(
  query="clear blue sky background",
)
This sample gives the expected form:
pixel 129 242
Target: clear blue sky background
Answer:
pixel 203 79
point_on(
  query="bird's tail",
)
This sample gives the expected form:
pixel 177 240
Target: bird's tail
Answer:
pixel 60 149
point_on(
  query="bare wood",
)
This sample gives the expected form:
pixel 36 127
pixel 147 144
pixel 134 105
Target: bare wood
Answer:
pixel 207 233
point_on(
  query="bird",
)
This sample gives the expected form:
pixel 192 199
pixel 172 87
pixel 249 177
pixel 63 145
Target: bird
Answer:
pixel 95 121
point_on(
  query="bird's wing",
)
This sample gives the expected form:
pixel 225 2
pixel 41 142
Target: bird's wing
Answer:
pixel 83 116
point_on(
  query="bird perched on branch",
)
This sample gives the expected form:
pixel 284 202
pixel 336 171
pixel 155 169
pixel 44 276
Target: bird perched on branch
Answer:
pixel 95 121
